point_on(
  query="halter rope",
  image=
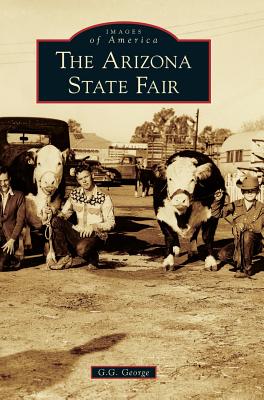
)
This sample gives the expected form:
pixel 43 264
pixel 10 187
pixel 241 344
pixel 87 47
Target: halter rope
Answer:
pixel 48 229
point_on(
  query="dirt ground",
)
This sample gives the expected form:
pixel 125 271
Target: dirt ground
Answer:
pixel 203 330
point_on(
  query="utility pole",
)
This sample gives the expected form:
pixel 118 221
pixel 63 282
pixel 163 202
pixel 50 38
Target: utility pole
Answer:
pixel 196 129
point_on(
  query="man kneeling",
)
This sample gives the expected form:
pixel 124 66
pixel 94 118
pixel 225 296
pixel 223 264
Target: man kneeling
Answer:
pixel 95 217
pixel 248 223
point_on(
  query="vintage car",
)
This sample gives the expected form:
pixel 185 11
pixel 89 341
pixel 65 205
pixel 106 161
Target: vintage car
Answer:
pixel 101 175
pixel 18 134
pixel 126 168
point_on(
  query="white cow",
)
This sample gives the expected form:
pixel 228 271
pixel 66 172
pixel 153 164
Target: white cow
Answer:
pixel 186 200
pixel 47 175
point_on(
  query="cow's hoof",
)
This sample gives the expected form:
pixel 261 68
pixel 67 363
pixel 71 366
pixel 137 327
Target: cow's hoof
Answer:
pixel 213 268
pixel 169 268
pixel 176 251
pixel 210 264
pixel 168 263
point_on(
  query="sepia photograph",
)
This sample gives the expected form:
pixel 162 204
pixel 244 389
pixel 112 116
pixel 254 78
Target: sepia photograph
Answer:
pixel 132 200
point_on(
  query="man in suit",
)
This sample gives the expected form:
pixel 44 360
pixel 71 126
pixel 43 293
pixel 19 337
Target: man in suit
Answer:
pixel 12 218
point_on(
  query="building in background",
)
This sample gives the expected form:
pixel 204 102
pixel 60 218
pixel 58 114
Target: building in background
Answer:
pixel 103 150
pixel 89 145
pixel 118 150
pixel 242 152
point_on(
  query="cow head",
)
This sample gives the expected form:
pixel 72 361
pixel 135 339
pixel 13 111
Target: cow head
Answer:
pixel 49 169
pixel 182 176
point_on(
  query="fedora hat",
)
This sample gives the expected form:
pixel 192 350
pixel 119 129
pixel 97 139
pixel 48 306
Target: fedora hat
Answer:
pixel 249 183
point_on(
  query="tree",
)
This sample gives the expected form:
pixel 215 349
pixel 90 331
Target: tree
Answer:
pixel 162 119
pixel 167 127
pixel 257 125
pixel 75 127
pixel 220 135
pixel 181 130
pixel 208 136
pixel 143 133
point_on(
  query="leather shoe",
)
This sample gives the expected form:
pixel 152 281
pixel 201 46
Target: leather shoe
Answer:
pixel 15 266
pixel 94 259
pixel 64 263
pixel 241 274
pixel 91 267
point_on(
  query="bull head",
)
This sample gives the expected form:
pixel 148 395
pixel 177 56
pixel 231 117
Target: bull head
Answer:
pixel 49 168
pixel 182 176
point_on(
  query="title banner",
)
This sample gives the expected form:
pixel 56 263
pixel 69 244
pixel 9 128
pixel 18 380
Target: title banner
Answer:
pixel 123 62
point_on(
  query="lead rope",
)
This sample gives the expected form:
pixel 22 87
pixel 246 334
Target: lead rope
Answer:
pixel 48 230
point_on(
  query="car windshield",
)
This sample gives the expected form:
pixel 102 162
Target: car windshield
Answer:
pixel 126 160
pixel 27 138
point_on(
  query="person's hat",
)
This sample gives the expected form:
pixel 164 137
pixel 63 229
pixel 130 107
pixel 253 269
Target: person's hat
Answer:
pixel 249 183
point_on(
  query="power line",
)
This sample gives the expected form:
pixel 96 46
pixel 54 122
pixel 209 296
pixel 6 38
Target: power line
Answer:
pixel 215 35
pixel 221 26
pixel 17 52
pixel 17 62
pixel 238 30
pixel 172 26
pixel 15 43
pixel 217 19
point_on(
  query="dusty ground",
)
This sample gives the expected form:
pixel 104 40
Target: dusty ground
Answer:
pixel 203 330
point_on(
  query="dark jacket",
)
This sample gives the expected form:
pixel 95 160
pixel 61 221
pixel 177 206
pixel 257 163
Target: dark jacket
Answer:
pixel 252 219
pixel 13 218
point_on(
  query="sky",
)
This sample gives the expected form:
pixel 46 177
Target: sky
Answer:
pixel 235 27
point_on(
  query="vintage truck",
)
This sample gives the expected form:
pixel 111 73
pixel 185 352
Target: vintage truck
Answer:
pixel 18 134
pixel 126 169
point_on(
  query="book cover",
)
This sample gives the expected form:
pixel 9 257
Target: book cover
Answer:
pixel 131 330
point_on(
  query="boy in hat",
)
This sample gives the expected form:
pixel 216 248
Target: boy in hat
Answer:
pixel 248 224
